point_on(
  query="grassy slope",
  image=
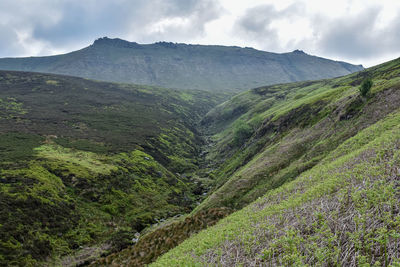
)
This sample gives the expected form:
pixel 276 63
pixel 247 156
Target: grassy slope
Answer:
pixel 342 211
pixel 289 128
pixel 86 162
pixel 341 151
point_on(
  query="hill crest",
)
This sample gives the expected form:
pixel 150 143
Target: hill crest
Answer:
pixel 183 66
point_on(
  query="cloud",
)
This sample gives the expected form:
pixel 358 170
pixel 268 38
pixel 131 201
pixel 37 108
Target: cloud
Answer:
pixel 258 23
pixel 356 30
pixel 70 24
pixel 182 27
pixel 354 34
pixel 9 41
pixel 359 36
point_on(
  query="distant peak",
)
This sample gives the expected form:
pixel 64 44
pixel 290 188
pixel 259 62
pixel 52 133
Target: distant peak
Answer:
pixel 298 51
pixel 115 42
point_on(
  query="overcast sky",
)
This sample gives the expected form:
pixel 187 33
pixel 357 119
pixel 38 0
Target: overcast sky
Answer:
pixel 358 31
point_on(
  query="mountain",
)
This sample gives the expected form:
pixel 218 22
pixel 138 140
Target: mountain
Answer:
pixel 211 67
pixel 84 165
pixel 310 171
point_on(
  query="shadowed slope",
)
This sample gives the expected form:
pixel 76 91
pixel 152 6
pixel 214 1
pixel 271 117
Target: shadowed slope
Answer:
pixel 85 164
pixel 212 68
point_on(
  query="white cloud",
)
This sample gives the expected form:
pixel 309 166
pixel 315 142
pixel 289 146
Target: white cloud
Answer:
pixel 356 31
pixel 351 30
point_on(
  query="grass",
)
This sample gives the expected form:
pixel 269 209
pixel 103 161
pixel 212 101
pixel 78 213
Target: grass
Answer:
pixel 299 178
pixel 326 216
pixel 293 127
pixel 18 146
pixel 90 161
pixel 166 236
pixel 82 163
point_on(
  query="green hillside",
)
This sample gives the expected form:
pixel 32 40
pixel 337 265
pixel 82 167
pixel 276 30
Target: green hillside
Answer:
pixel 343 211
pixel 308 172
pixel 312 169
pixel 86 164
pixel 267 136
pixel 212 68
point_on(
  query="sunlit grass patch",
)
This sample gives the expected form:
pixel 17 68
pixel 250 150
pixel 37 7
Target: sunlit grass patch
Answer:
pixel 95 163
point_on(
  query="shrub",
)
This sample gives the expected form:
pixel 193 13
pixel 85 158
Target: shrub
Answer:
pixel 241 133
pixel 121 239
pixel 365 86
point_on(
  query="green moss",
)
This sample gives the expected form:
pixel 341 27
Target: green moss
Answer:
pixel 10 107
pixel 46 186
pixel 181 165
pixel 75 160
pixel 82 144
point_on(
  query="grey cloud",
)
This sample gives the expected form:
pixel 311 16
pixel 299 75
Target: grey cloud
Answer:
pixel 9 41
pixel 203 12
pixel 256 23
pixel 357 37
pixel 67 23
pixel 88 19
pixel 354 37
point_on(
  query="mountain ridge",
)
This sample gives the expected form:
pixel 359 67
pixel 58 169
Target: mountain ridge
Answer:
pixel 183 66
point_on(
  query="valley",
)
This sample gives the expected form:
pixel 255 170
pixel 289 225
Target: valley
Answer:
pixel 305 166
pixel 118 174
pixel 199 133
pixel 86 162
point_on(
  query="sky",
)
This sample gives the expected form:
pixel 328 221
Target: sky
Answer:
pixel 357 31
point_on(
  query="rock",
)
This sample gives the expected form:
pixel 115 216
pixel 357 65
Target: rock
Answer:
pixel 136 238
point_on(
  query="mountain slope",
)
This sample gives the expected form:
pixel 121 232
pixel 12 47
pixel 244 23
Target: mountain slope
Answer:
pixel 312 168
pixel 85 164
pixel 343 212
pixel 269 135
pixel 213 68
